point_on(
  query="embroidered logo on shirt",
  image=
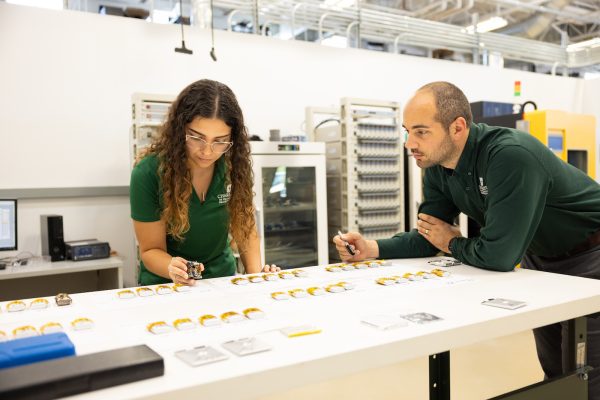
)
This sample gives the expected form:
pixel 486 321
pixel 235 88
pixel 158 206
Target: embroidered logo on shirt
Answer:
pixel 224 197
pixel 483 189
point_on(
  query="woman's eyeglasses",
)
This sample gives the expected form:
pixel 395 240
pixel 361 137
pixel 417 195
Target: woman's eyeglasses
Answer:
pixel 216 147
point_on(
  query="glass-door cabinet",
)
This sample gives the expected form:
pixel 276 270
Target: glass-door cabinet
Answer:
pixel 290 201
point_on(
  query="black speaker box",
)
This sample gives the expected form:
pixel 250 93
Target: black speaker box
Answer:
pixel 53 241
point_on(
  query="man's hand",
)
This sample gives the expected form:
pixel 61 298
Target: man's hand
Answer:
pixel 363 249
pixel 436 231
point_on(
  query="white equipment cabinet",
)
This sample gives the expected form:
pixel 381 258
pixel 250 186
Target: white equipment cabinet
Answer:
pixel 365 170
pixel 291 203
pixel 148 113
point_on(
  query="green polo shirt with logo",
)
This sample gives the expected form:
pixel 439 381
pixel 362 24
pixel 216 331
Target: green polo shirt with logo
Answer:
pixel 525 198
pixel 207 239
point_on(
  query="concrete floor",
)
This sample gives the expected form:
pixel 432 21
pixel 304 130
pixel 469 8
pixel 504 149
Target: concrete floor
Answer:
pixel 477 372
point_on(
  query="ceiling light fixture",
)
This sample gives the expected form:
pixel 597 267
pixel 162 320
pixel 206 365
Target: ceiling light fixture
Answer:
pixel 595 42
pixel 182 49
pixel 488 25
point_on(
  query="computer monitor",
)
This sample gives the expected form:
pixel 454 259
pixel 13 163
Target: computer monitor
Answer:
pixel 8 225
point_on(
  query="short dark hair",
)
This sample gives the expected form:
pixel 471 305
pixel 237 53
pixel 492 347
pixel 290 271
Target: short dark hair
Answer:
pixel 450 102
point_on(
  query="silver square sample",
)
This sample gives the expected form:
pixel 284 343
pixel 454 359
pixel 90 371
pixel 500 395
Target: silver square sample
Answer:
pixel 246 346
pixel 200 355
pixel 421 318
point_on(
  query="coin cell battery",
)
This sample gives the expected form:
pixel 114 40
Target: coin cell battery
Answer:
pixel 300 273
pixel 209 320
pixel 374 265
pixel 347 285
pixel 179 288
pixel 24 331
pixel 3 337
pixel 256 279
pixel 286 275
pixel 239 281
pixel 316 291
pixel 125 294
pixel 386 281
pixel 15 306
pixel 159 328
pixel 145 292
pixel 334 268
pixel 183 324
pixel 231 316
pixel 39 304
pixel 280 296
pixel 348 267
pixel 400 279
pixel 270 277
pixel 81 324
pixel 361 266
pixel 51 327
pixel 298 293
pixel 164 289
pixel 335 288
pixel 254 313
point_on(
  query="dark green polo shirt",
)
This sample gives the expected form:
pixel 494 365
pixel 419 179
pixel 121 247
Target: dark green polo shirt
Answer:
pixel 525 198
pixel 207 239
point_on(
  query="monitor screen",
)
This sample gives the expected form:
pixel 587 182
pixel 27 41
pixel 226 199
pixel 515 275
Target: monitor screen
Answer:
pixel 8 225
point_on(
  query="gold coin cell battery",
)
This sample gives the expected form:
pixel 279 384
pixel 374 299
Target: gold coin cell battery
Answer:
pixel 239 281
pixel 298 293
pixel 347 285
pixel 280 296
pixel 374 265
pixel 254 313
pixel 183 324
pixel 426 275
pixel 164 289
pixel 145 292
pixel 159 328
pixel 286 275
pixel 39 304
pixel 24 331
pixel 179 288
pixel 300 273
pixel 335 288
pixel 209 320
pixel 81 324
pixel 316 291
pixel 270 277
pixel 15 306
pixel 231 317
pixel 125 294
pixel 348 267
pixel 256 279
pixel 440 273
pixel 386 281
pixel 51 327
pixel 334 268
pixel 399 279
pixel 361 266
pixel 412 277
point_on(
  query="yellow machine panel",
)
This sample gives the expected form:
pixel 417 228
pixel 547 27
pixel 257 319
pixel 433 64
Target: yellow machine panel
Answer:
pixel 571 136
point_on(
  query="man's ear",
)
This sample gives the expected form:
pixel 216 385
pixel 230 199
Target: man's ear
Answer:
pixel 459 126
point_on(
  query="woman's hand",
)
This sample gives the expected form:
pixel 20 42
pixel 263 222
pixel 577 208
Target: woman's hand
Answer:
pixel 178 271
pixel 271 268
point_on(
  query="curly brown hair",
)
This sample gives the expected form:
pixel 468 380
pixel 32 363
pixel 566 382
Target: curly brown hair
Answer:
pixel 205 99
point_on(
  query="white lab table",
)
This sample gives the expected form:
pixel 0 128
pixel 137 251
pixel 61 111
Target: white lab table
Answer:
pixel 345 345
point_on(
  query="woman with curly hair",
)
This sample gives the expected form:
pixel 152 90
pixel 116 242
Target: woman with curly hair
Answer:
pixel 193 187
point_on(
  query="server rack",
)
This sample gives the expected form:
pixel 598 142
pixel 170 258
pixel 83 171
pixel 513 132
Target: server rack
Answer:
pixel 365 170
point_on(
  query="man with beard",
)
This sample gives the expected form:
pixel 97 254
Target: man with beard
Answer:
pixel 533 208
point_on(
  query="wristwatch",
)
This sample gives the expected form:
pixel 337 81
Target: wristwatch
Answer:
pixel 451 242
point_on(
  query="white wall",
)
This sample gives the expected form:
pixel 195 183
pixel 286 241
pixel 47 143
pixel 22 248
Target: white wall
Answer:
pixel 66 81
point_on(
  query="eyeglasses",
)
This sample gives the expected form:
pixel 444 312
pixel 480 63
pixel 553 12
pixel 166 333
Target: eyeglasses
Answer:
pixel 216 147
